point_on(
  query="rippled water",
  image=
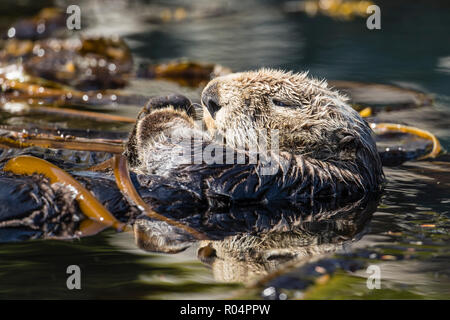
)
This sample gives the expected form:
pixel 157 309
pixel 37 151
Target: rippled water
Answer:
pixel 407 235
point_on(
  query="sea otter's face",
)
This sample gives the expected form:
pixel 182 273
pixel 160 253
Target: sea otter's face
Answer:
pixel 311 118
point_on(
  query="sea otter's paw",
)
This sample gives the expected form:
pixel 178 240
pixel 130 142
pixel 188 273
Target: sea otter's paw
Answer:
pixel 176 101
pixel 156 122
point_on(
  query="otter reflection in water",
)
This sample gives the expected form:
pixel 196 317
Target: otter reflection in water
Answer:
pixel 275 237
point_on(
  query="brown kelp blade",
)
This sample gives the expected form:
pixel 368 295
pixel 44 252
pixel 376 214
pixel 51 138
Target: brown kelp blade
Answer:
pixel 25 140
pixel 86 228
pixel 381 97
pixel 22 108
pixel 126 186
pixel 90 227
pixel 394 127
pixel 36 91
pixel 366 112
pixel 103 117
pixel 186 73
pixel 102 166
pixel 90 206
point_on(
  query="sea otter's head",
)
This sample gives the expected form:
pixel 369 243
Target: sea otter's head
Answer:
pixel 312 119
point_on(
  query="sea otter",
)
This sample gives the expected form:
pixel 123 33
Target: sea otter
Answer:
pixel 326 149
pixel 326 156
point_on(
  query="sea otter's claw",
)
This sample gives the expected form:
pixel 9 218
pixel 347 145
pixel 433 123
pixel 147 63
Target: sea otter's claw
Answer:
pixel 89 205
pixel 177 101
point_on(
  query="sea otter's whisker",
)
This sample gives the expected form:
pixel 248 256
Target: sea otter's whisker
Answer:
pixel 89 205
pixel 412 130
pixel 126 186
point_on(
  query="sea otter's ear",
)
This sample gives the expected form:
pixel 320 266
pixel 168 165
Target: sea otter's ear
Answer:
pixel 345 138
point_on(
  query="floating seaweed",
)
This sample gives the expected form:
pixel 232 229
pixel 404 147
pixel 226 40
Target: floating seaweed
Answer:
pixel 188 73
pixel 85 64
pixel 336 9
pixel 155 231
pixel 21 91
pixel 380 97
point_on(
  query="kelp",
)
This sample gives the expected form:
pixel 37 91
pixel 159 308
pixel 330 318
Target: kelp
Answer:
pixel 124 183
pixel 372 98
pixel 21 108
pixel 12 139
pixel 336 9
pixel 87 202
pixel 85 63
pixel 42 75
pixel 18 86
pixel 88 64
pixel 187 73
pixel 393 155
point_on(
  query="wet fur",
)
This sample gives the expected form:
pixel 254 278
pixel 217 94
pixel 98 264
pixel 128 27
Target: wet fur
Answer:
pixel 327 149
pixel 46 210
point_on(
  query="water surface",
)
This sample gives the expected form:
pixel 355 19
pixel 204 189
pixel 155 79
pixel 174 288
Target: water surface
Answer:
pixel 408 233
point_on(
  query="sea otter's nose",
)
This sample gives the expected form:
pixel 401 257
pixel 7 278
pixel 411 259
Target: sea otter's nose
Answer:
pixel 212 106
pixel 210 100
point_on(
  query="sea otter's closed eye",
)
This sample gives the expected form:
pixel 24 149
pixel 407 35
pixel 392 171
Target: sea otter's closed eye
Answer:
pixel 279 103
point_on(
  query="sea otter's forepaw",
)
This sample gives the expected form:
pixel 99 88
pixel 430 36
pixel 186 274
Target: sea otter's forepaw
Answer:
pixel 177 101
pixel 156 120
